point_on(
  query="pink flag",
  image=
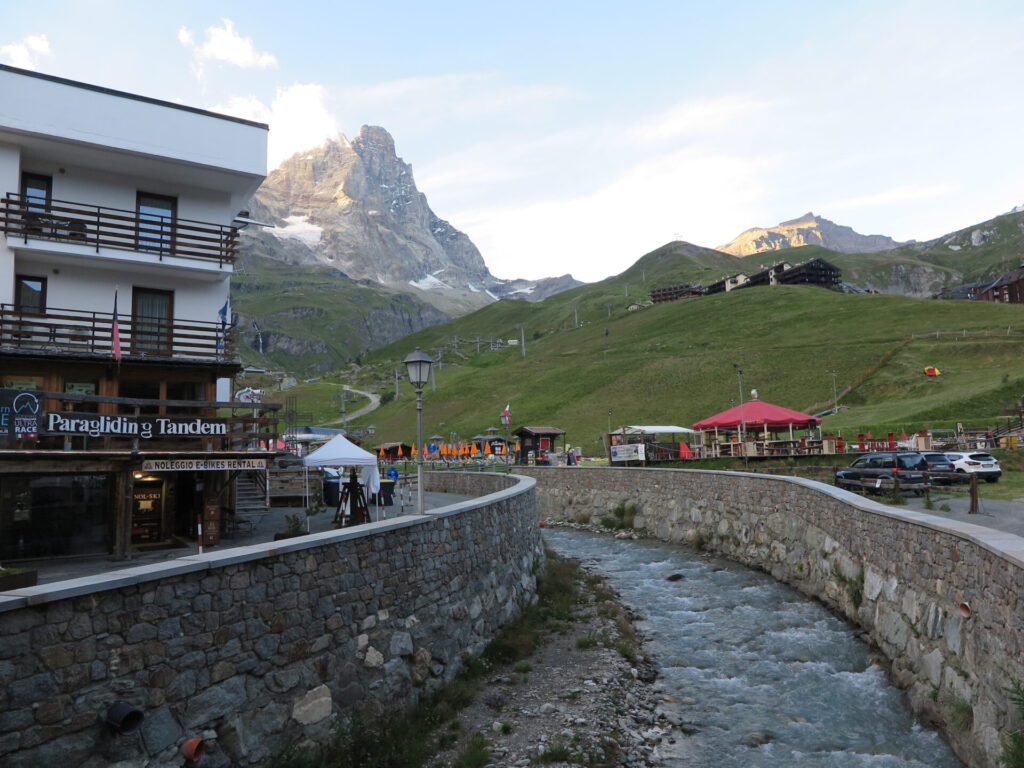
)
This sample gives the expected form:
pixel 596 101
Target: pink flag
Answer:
pixel 115 332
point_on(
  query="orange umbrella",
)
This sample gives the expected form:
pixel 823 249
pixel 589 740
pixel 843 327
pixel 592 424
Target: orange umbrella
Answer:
pixel 400 454
pixel 487 448
pixel 380 453
pixel 413 452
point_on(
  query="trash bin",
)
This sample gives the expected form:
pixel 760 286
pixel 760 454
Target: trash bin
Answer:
pixel 332 491
pixel 387 493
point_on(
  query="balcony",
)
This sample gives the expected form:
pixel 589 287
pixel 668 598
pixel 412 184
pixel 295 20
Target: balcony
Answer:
pixel 97 227
pixel 77 332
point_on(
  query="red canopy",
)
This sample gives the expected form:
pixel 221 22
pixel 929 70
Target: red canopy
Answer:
pixel 757 414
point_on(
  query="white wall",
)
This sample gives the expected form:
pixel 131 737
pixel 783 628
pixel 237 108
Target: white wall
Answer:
pixel 90 289
pixel 41 106
pixel 9 175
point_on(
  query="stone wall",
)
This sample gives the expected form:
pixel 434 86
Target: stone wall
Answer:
pixel 255 646
pixel 899 574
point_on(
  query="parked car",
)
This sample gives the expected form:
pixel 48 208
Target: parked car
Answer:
pixel 982 464
pixel 882 471
pixel 938 462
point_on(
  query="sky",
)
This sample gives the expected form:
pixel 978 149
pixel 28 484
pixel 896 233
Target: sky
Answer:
pixel 573 137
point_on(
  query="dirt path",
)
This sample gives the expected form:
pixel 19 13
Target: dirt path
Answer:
pixel 373 405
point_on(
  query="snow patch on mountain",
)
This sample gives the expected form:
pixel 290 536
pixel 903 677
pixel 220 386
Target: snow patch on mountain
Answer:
pixel 428 283
pixel 298 228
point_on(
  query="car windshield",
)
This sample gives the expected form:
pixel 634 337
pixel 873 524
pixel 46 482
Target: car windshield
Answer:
pixel 910 462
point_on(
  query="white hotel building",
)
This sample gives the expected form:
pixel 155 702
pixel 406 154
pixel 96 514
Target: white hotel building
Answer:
pixel 104 191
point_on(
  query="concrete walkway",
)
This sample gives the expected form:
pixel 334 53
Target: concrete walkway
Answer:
pixel 1006 516
pixel 73 568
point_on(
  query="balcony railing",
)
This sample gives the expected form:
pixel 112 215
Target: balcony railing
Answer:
pixel 72 331
pixel 96 226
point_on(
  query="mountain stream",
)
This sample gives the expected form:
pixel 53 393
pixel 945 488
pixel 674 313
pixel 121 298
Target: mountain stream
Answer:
pixel 761 675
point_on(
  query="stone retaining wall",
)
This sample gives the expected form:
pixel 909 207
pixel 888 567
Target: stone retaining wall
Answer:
pixel 255 646
pixel 899 574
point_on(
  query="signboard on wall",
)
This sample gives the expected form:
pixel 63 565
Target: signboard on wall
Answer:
pixel 633 452
pixel 19 413
pixel 144 427
pixel 202 465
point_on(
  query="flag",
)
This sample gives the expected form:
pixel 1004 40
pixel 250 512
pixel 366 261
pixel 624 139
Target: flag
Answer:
pixel 506 415
pixel 115 332
pixel 223 312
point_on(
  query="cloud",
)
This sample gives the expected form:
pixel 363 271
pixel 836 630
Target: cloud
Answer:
pixel 593 235
pixel 224 44
pixel 699 116
pixel 299 118
pixel 895 195
pixel 25 53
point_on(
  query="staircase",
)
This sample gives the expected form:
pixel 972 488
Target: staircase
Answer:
pixel 251 497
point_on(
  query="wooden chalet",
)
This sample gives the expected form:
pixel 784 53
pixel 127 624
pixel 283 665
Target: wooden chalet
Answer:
pixel 1008 289
pixel 538 440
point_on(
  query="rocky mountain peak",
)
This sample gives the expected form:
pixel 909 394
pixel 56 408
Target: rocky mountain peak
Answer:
pixel 808 229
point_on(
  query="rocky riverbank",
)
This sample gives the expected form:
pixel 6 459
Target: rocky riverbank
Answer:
pixel 586 696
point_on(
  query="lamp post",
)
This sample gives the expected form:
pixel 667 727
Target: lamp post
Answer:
pixel 743 419
pixel 506 420
pixel 417 366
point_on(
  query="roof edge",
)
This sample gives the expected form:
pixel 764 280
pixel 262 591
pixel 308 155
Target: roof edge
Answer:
pixel 132 96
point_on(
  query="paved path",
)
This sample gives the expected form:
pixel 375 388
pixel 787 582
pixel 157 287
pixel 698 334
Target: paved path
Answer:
pixel 58 570
pixel 1007 516
pixel 373 405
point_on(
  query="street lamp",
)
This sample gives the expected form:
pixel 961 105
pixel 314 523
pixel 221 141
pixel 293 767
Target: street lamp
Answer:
pixel 417 366
pixel 743 420
pixel 506 421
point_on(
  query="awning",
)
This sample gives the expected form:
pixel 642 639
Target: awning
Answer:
pixel 758 413
pixel 659 429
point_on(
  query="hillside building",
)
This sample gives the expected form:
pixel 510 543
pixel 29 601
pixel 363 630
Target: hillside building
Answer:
pixel 116 254
pixel 1008 289
pixel 676 292
pixel 729 283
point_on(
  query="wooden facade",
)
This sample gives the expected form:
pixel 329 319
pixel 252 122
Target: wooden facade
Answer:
pixel 676 292
pixel 1008 289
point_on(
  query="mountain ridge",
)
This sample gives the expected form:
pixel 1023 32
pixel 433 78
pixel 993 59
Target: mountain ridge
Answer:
pixel 808 229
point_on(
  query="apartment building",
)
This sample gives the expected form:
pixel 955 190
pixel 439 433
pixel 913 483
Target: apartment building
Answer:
pixel 118 235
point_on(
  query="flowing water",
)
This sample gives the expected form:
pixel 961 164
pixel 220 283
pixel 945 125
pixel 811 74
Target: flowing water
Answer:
pixel 763 675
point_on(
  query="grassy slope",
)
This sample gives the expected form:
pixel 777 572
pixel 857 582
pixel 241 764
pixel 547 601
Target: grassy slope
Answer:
pixel 673 362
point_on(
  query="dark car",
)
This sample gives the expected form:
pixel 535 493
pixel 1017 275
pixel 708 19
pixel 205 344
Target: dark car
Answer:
pixel 885 471
pixel 939 462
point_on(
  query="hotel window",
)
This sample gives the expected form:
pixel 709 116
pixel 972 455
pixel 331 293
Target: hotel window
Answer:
pixel 156 215
pixel 36 190
pixel 30 294
pixel 152 318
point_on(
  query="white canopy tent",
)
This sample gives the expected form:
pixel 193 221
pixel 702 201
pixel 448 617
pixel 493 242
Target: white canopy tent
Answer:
pixel 340 452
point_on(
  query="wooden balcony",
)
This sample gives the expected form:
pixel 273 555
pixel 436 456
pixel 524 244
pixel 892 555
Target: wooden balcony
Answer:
pixel 78 332
pixel 96 227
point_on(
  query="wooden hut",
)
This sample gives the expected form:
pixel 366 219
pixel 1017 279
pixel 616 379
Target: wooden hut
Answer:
pixel 540 440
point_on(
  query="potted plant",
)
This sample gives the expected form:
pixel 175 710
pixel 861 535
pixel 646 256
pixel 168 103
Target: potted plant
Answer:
pixel 292 527
pixel 16 578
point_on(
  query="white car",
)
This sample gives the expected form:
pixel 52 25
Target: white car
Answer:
pixel 982 464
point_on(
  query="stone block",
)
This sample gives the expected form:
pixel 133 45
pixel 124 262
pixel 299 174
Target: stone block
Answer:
pixel 160 730
pixel 314 706
pixel 401 644
pixel 215 702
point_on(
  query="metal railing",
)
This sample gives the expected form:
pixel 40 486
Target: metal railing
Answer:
pixel 72 331
pixel 98 226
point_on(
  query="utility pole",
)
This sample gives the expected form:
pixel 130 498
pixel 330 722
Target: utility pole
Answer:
pixel 575 317
pixel 835 397
pixel 433 378
pixel 627 290
pixel 396 384
pixel 478 343
pixel 609 308
pixel 522 340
